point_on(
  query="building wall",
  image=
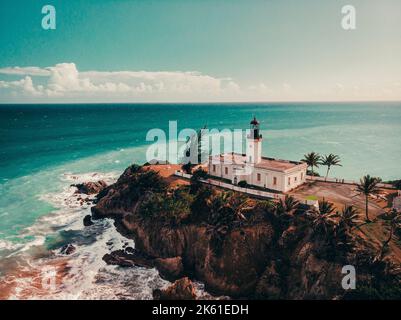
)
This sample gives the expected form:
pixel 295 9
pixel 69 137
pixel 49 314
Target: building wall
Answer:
pixel 266 177
pixel 254 150
pixel 275 180
pixel 220 170
pixel 296 179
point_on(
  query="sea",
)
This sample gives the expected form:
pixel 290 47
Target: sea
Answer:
pixel 44 148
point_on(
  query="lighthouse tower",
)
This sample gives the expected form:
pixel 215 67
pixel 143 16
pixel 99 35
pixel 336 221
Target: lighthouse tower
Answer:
pixel 254 143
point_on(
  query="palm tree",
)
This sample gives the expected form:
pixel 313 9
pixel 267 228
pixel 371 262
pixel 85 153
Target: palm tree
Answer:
pixel 349 216
pixel 394 224
pixel 286 208
pixel 368 186
pixel 329 161
pixel 312 159
pixel 326 207
pixel 322 219
pixel 226 207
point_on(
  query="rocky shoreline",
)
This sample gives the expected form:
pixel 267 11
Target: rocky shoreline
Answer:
pixel 241 248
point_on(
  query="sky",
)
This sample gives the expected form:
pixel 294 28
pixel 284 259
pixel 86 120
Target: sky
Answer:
pixel 199 51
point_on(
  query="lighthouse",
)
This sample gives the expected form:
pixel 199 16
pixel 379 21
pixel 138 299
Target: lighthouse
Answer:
pixel 254 143
pixel 263 172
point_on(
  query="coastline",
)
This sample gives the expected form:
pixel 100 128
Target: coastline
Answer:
pixel 112 233
pixel 259 257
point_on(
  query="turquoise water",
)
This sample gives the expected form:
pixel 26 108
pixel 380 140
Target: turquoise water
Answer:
pixel 41 143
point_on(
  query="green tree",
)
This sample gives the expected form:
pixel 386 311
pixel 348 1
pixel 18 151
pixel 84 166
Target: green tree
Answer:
pixel 329 161
pixel 322 220
pixel 395 224
pixel 187 167
pixel 349 217
pixel 312 159
pixel 367 187
pixel 195 150
pixel 326 207
pixel 196 178
pixel 286 208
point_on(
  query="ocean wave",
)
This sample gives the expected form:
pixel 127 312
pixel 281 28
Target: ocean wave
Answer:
pixel 83 274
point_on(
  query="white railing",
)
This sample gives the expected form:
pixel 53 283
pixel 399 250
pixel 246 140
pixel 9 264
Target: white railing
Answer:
pixel 343 181
pixel 225 185
pixel 255 192
pixel 183 174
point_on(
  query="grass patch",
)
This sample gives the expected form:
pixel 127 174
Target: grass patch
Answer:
pixel 311 198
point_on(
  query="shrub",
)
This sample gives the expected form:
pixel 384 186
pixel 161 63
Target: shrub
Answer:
pixel 314 174
pixel 195 179
pixel 187 167
pixel 243 184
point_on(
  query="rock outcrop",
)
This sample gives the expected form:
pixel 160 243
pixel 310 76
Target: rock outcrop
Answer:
pixel 90 187
pixel 128 258
pixel 181 289
pixel 254 255
pixel 68 249
pixel 170 268
pixel 87 221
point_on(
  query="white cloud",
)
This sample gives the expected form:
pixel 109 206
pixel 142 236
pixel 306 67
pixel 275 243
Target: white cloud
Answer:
pixel 66 82
pixel 63 82
pixel 31 71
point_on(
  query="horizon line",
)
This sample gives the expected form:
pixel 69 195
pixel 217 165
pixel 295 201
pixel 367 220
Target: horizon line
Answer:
pixel 203 102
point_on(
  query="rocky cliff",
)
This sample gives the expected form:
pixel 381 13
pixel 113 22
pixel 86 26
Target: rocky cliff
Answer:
pixel 239 247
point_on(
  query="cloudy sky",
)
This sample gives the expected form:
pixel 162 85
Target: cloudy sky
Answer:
pixel 187 50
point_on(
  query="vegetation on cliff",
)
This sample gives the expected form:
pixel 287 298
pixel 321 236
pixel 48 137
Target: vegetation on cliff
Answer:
pixel 245 247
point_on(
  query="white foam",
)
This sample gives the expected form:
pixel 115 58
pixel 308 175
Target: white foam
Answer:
pixel 88 276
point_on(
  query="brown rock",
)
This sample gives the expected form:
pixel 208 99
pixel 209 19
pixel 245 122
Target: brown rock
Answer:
pixel 125 258
pixel 181 289
pixel 269 285
pixel 67 249
pixel 289 237
pixel 87 221
pixel 170 268
pixel 90 187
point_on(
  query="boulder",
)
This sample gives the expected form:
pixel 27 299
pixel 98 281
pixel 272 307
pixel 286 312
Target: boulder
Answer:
pixel 182 289
pixel 67 249
pixel 90 187
pixel 128 258
pixel 170 268
pixel 88 221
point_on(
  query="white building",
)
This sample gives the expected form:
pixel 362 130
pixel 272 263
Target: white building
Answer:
pixel 269 173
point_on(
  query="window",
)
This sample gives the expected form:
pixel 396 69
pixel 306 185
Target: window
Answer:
pixel 302 175
pixel 295 179
pixel 258 176
pixel 226 170
pixel 274 181
pixel 289 180
pixel 214 168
